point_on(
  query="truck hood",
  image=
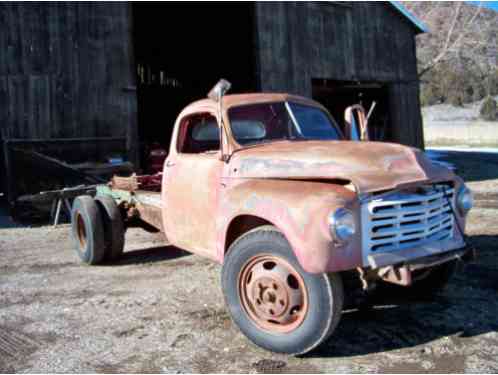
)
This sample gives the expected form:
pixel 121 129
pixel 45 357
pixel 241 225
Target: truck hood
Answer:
pixel 370 166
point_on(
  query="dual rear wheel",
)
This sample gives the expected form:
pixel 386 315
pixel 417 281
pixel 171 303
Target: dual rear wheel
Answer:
pixel 97 229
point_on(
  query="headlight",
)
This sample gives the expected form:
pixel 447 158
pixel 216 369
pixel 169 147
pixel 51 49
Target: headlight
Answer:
pixel 342 225
pixel 465 200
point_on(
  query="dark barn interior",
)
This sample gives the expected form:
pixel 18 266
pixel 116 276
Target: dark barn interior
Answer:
pixel 92 87
pixel 178 62
pixel 336 96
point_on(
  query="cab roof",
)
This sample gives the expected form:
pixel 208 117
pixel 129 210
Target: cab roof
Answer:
pixel 234 100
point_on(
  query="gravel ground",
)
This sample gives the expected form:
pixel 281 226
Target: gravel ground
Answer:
pixel 161 310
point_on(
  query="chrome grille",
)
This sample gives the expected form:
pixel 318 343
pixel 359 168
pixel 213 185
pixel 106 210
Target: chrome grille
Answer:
pixel 406 219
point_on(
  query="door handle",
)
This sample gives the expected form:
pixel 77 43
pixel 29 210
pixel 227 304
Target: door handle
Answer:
pixel 170 163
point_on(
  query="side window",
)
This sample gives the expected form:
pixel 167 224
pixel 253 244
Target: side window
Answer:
pixel 199 133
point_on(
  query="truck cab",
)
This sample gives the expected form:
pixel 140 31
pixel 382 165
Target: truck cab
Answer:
pixel 269 186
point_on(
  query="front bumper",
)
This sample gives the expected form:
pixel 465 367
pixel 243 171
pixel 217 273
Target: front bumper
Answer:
pixel 402 273
pixel 433 249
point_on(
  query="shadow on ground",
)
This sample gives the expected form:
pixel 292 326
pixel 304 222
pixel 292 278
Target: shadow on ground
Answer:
pixel 471 166
pixel 6 220
pixel 150 255
pixel 465 309
pixel 400 320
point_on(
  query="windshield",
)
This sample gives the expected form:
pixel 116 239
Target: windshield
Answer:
pixel 267 122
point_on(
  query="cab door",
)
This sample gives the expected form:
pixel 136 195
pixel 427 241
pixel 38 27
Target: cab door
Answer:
pixel 192 176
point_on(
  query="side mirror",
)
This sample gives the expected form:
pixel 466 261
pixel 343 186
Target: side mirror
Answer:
pixel 356 123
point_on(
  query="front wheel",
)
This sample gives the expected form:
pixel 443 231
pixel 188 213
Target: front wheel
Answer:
pixel 273 301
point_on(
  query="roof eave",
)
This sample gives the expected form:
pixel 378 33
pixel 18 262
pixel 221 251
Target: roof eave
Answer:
pixel 419 25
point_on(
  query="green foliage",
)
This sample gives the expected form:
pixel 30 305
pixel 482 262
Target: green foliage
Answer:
pixel 492 82
pixel 447 84
pixel 478 91
pixel 455 98
pixel 489 109
pixel 429 95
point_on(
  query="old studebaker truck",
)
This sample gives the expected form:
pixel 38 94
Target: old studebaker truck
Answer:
pixel 268 186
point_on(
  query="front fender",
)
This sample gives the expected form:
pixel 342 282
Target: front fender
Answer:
pixel 299 209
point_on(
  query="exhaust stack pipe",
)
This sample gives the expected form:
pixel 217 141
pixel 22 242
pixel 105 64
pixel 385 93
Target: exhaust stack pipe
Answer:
pixel 216 94
pixel 219 90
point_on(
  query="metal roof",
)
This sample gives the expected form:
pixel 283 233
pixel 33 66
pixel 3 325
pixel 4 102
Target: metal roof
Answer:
pixel 419 25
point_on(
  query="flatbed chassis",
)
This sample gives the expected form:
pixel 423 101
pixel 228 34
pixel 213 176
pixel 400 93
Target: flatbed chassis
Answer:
pixel 139 198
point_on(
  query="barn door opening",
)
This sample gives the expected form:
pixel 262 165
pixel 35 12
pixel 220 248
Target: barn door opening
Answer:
pixel 336 96
pixel 181 51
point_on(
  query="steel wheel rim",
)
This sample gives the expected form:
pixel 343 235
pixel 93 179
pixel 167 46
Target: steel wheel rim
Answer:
pixel 81 231
pixel 273 294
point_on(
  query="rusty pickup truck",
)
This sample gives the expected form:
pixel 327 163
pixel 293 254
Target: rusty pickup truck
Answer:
pixel 292 207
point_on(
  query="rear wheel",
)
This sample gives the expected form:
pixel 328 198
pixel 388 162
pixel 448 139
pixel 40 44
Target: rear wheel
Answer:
pixel 274 302
pixel 87 230
pixel 114 232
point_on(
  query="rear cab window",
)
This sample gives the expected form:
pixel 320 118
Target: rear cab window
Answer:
pixel 199 133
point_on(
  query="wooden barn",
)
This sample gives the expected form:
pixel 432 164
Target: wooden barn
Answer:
pixel 88 85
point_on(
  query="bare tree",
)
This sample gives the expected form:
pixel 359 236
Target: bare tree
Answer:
pixel 455 38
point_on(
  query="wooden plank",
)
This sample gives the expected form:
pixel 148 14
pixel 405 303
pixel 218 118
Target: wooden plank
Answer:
pixel 31 128
pixel 3 174
pixel 349 46
pixel 47 161
pixel 292 48
pixel 130 97
pixel 39 106
pixel 4 105
pixel 64 140
pixel 8 30
pixel 67 82
pixel 9 174
pixel 275 52
pixel 3 42
pixel 416 115
pixel 406 118
pixel 17 127
pixel 316 32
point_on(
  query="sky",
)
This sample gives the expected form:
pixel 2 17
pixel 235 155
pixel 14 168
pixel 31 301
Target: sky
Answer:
pixel 488 4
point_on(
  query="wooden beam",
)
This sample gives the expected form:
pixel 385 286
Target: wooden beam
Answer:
pixel 64 140
pixel 58 164
pixel 9 174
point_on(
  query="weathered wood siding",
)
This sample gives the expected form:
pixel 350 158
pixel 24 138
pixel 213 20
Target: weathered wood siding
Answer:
pixel 356 41
pixel 65 69
pixel 405 114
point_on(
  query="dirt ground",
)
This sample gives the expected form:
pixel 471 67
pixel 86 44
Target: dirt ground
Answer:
pixel 161 310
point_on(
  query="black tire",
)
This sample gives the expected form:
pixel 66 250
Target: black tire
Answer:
pixel 436 280
pixel 87 230
pixel 324 293
pixel 114 231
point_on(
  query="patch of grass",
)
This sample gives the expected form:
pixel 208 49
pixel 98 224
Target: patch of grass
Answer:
pixel 489 109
